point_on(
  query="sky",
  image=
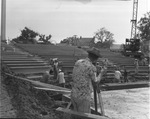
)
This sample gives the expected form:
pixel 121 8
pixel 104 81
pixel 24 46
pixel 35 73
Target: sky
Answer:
pixel 65 18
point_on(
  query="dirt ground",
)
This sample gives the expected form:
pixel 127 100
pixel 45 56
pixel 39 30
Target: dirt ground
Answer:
pixel 127 104
pixel 118 104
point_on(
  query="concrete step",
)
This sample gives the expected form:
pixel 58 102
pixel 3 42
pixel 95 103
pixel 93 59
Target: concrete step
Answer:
pixel 15 57
pixel 23 65
pixel 15 53
pixel 27 59
pixel 22 62
pixel 30 69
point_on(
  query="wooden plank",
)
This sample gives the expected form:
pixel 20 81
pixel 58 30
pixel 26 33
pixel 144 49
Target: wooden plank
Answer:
pixel 44 85
pixel 37 83
pixel 81 115
pixel 54 90
pixel 40 76
pixel 117 86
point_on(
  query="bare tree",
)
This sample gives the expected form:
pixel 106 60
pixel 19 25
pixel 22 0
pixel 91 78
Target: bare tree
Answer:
pixel 45 39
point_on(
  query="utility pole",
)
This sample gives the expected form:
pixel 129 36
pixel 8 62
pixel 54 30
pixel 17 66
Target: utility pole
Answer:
pixel 3 20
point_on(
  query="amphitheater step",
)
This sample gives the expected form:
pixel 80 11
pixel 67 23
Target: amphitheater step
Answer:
pixel 22 62
pixel 23 65
pixel 31 69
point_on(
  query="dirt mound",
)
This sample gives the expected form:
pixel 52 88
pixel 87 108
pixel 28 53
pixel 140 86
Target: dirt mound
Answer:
pixel 29 102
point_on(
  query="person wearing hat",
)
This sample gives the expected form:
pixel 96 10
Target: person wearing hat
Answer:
pixel 84 72
pixel 61 78
pixel 55 68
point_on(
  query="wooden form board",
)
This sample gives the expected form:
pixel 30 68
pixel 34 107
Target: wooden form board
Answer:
pixel 80 114
pixel 54 90
pixel 43 86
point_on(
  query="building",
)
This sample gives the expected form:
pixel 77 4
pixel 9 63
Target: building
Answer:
pixel 86 42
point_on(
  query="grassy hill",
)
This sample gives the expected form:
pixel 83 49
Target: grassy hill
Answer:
pixel 51 49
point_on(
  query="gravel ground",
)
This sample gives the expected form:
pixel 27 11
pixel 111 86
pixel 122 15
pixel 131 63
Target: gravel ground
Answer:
pixel 30 103
pixel 127 104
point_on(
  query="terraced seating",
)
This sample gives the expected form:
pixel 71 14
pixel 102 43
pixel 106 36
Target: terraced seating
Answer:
pixel 30 69
pixel 5 47
pixel 21 62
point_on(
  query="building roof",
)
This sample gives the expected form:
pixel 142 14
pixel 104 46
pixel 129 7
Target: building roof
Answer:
pixel 85 41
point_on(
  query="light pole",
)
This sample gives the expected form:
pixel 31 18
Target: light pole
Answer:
pixel 3 20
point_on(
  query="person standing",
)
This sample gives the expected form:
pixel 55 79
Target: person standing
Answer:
pixel 46 77
pixel 55 68
pixel 61 78
pixel 125 73
pixel 106 63
pixel 136 63
pixel 84 73
pixel 144 62
pixel 118 75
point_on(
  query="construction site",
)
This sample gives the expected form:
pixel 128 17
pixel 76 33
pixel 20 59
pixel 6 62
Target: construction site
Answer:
pixel 22 74
pixel 30 91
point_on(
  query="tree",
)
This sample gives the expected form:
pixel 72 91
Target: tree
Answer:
pixel 45 39
pixel 144 27
pixel 66 41
pixel 144 33
pixel 104 37
pixel 27 36
pixel 71 40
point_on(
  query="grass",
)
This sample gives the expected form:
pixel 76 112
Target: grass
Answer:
pixel 40 49
pixel 69 53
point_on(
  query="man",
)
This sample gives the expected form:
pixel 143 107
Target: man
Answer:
pixel 125 73
pixel 84 73
pixel 118 75
pixel 136 63
pixel 55 68
pixel 61 78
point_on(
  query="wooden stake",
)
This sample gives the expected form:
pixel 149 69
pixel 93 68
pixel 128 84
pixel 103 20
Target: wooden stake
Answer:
pixel 101 103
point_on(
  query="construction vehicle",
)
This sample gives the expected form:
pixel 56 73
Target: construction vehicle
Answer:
pixel 132 45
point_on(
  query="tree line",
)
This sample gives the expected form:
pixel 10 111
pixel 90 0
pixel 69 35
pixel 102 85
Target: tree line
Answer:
pixel 103 36
pixel 29 36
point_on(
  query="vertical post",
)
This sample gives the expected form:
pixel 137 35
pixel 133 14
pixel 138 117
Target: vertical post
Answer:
pixel 134 19
pixel 95 95
pixel 3 20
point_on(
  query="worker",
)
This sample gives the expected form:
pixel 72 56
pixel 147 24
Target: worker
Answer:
pixel 136 63
pixel 118 75
pixel 51 61
pixel 84 73
pixel 144 61
pixel 46 77
pixel 106 63
pixel 125 74
pixel 61 78
pixel 55 67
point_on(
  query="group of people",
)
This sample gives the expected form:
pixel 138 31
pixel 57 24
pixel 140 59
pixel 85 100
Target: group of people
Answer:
pixel 122 75
pixel 87 73
pixel 55 72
